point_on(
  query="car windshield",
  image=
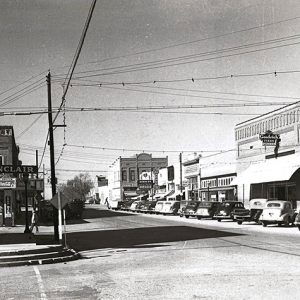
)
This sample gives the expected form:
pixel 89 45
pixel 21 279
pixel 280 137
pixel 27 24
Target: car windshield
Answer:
pixel 205 204
pixel 191 206
pixel 273 205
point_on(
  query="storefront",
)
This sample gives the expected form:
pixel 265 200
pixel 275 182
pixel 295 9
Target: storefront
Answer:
pixel 218 188
pixel 268 156
pixel 274 179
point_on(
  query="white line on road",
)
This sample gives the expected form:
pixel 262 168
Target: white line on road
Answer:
pixel 40 283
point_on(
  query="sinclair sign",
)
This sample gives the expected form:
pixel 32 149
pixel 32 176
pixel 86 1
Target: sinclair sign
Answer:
pixel 18 169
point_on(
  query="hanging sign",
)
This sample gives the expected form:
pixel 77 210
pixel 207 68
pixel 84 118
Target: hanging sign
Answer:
pixel 8 183
pixel 269 138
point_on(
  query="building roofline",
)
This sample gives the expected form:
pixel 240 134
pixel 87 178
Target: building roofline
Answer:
pixel 191 162
pixel 268 113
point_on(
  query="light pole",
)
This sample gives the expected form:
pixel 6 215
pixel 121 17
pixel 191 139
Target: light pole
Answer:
pixel 25 180
pixel 208 184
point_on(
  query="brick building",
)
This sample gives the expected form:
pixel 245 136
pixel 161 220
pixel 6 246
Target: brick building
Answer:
pixel 262 173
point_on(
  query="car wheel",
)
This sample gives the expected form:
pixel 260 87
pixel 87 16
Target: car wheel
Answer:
pixel 187 217
pixel 199 218
pixel 298 227
pixel 264 224
pixel 240 222
pixel 219 220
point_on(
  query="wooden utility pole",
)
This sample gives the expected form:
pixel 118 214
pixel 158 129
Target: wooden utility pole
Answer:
pixel 180 164
pixel 52 162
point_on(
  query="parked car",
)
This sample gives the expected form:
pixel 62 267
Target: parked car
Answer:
pixel 227 209
pixel 125 205
pixel 297 220
pixel 278 212
pixel 207 209
pixel 170 208
pixel 134 205
pixel 148 207
pixel 140 206
pixel 158 206
pixel 252 214
pixel 190 209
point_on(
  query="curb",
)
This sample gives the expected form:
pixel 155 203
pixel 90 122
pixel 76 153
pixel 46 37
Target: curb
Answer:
pixel 32 251
pixel 38 261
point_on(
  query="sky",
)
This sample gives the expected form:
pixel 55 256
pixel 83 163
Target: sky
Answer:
pixel 168 42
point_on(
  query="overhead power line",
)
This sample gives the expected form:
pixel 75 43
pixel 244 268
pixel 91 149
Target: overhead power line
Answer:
pixel 22 83
pixel 194 41
pixel 28 128
pixel 187 59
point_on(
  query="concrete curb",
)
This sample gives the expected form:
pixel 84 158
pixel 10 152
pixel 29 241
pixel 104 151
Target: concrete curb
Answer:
pixel 65 255
pixel 31 251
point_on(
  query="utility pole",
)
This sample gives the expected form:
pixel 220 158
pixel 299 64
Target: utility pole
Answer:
pixel 180 165
pixel 52 162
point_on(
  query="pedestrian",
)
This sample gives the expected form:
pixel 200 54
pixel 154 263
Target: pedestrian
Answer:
pixel 34 221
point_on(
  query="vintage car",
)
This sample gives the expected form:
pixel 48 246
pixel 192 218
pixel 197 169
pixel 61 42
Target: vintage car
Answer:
pixel 141 206
pixel 158 206
pixel 278 212
pixel 190 209
pixel 252 214
pixel 297 220
pixel 125 205
pixel 227 209
pixel 148 207
pixel 207 209
pixel 170 207
pixel 134 205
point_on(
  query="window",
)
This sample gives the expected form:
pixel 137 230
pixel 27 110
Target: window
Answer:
pixel 1 160
pixel 124 175
pixel 132 174
pixel 293 116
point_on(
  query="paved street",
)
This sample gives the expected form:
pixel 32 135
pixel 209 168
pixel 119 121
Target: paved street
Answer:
pixel 132 256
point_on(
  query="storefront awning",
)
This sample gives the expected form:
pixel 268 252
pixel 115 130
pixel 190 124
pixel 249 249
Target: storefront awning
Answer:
pixel 162 195
pixel 174 195
pixel 280 169
pixel 130 194
pixel 139 197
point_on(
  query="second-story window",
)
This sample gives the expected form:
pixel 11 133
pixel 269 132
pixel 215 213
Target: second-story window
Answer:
pixel 124 175
pixel 132 174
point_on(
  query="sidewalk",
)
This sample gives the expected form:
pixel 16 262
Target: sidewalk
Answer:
pixel 19 248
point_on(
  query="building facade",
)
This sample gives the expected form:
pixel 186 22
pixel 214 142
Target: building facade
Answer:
pixel 191 171
pixel 216 175
pixel 9 196
pixel 269 171
pixel 12 185
pixel 133 176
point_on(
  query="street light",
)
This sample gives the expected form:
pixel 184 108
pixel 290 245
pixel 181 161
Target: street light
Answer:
pixel 25 180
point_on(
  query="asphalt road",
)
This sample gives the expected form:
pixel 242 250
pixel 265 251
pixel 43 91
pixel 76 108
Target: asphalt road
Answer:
pixel 131 256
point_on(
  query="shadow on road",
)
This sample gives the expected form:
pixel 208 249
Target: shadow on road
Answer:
pixel 139 237
pixel 92 213
pixel 16 238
